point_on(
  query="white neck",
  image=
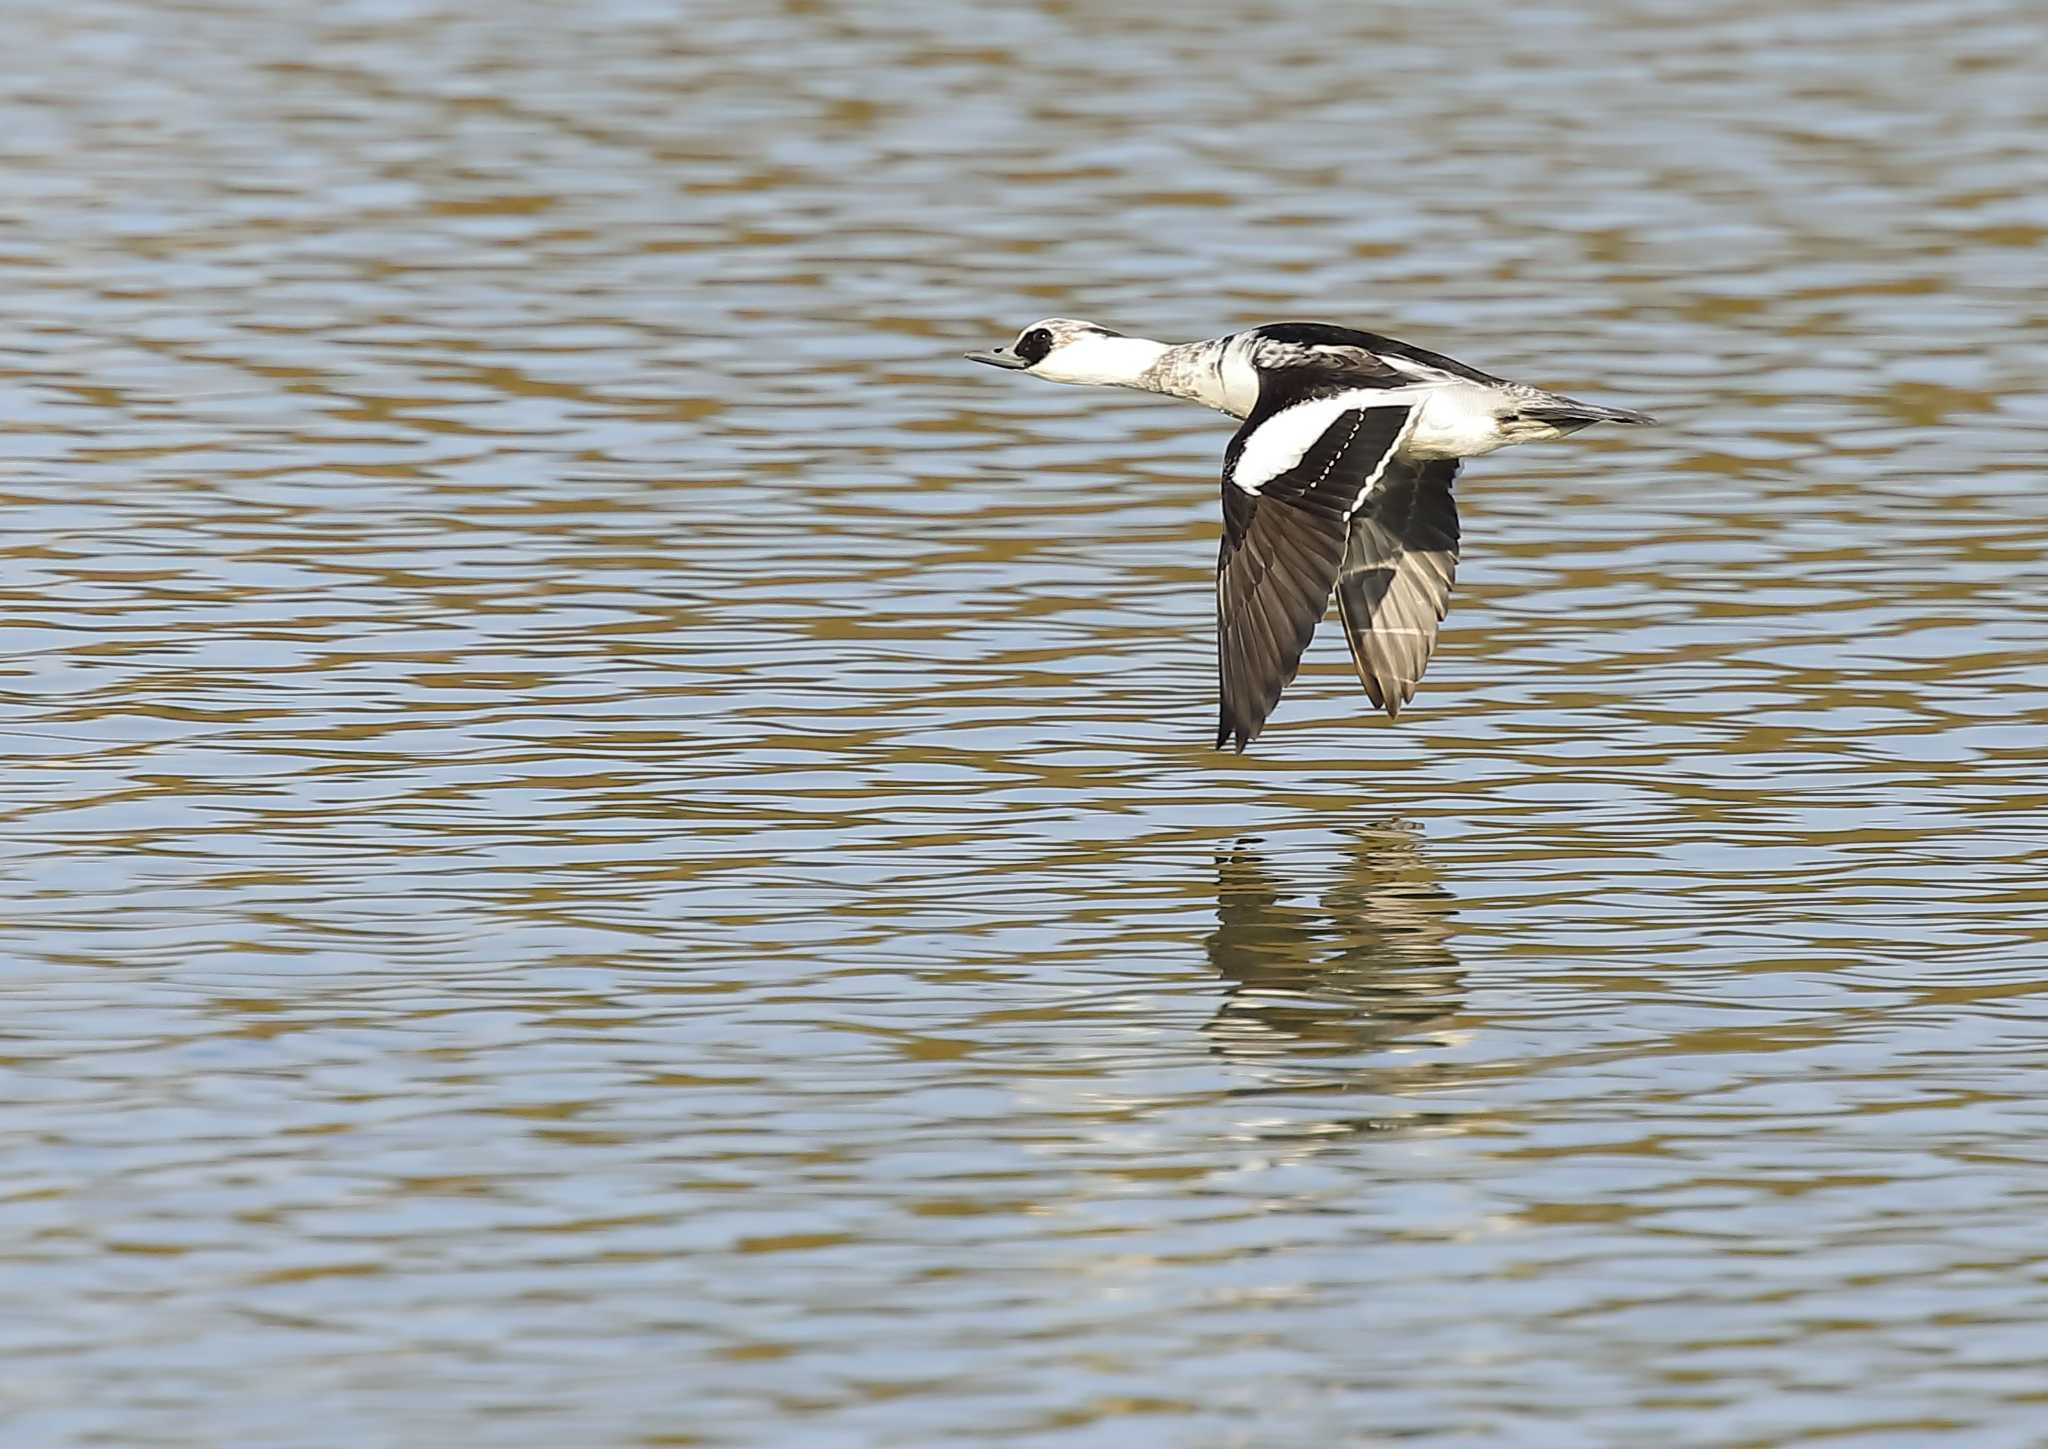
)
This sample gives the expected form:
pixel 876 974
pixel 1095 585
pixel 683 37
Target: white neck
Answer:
pixel 1101 361
pixel 1193 370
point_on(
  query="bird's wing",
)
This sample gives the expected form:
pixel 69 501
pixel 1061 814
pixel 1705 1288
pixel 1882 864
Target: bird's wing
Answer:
pixel 1293 478
pixel 1366 358
pixel 1400 558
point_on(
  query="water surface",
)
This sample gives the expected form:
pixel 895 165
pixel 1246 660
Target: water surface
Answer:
pixel 610 846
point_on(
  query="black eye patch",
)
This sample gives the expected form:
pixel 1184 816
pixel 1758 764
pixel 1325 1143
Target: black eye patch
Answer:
pixel 1033 346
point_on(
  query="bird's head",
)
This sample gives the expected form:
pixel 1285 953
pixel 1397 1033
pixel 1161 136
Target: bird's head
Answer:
pixel 1059 349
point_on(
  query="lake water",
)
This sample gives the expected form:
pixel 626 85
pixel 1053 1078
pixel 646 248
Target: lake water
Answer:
pixel 609 846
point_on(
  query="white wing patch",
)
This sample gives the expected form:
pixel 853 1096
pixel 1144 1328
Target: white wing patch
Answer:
pixel 1281 441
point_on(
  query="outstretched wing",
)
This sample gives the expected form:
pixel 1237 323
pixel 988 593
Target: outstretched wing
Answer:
pixel 1293 478
pixel 1400 558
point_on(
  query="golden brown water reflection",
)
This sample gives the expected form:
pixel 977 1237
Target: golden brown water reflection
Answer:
pixel 611 847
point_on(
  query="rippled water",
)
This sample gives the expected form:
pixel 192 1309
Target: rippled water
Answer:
pixel 610 846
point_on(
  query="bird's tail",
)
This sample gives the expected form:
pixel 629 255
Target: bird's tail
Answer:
pixel 1568 415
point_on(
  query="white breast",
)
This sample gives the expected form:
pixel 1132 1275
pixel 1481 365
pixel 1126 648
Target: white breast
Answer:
pixel 1236 378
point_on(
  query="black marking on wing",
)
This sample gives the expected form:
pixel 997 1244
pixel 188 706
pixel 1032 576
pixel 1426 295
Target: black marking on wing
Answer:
pixel 1400 559
pixel 1281 553
pixel 1323 334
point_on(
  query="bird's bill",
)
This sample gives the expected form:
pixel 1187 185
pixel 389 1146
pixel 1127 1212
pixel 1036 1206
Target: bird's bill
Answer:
pixel 999 358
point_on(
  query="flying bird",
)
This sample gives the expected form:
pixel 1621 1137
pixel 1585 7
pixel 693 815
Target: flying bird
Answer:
pixel 1339 481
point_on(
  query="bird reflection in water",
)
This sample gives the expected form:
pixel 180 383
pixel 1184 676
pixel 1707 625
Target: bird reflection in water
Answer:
pixel 1345 969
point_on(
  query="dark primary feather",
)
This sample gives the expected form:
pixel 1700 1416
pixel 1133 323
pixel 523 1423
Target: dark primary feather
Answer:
pixel 1394 584
pixel 1282 552
pixel 1272 588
